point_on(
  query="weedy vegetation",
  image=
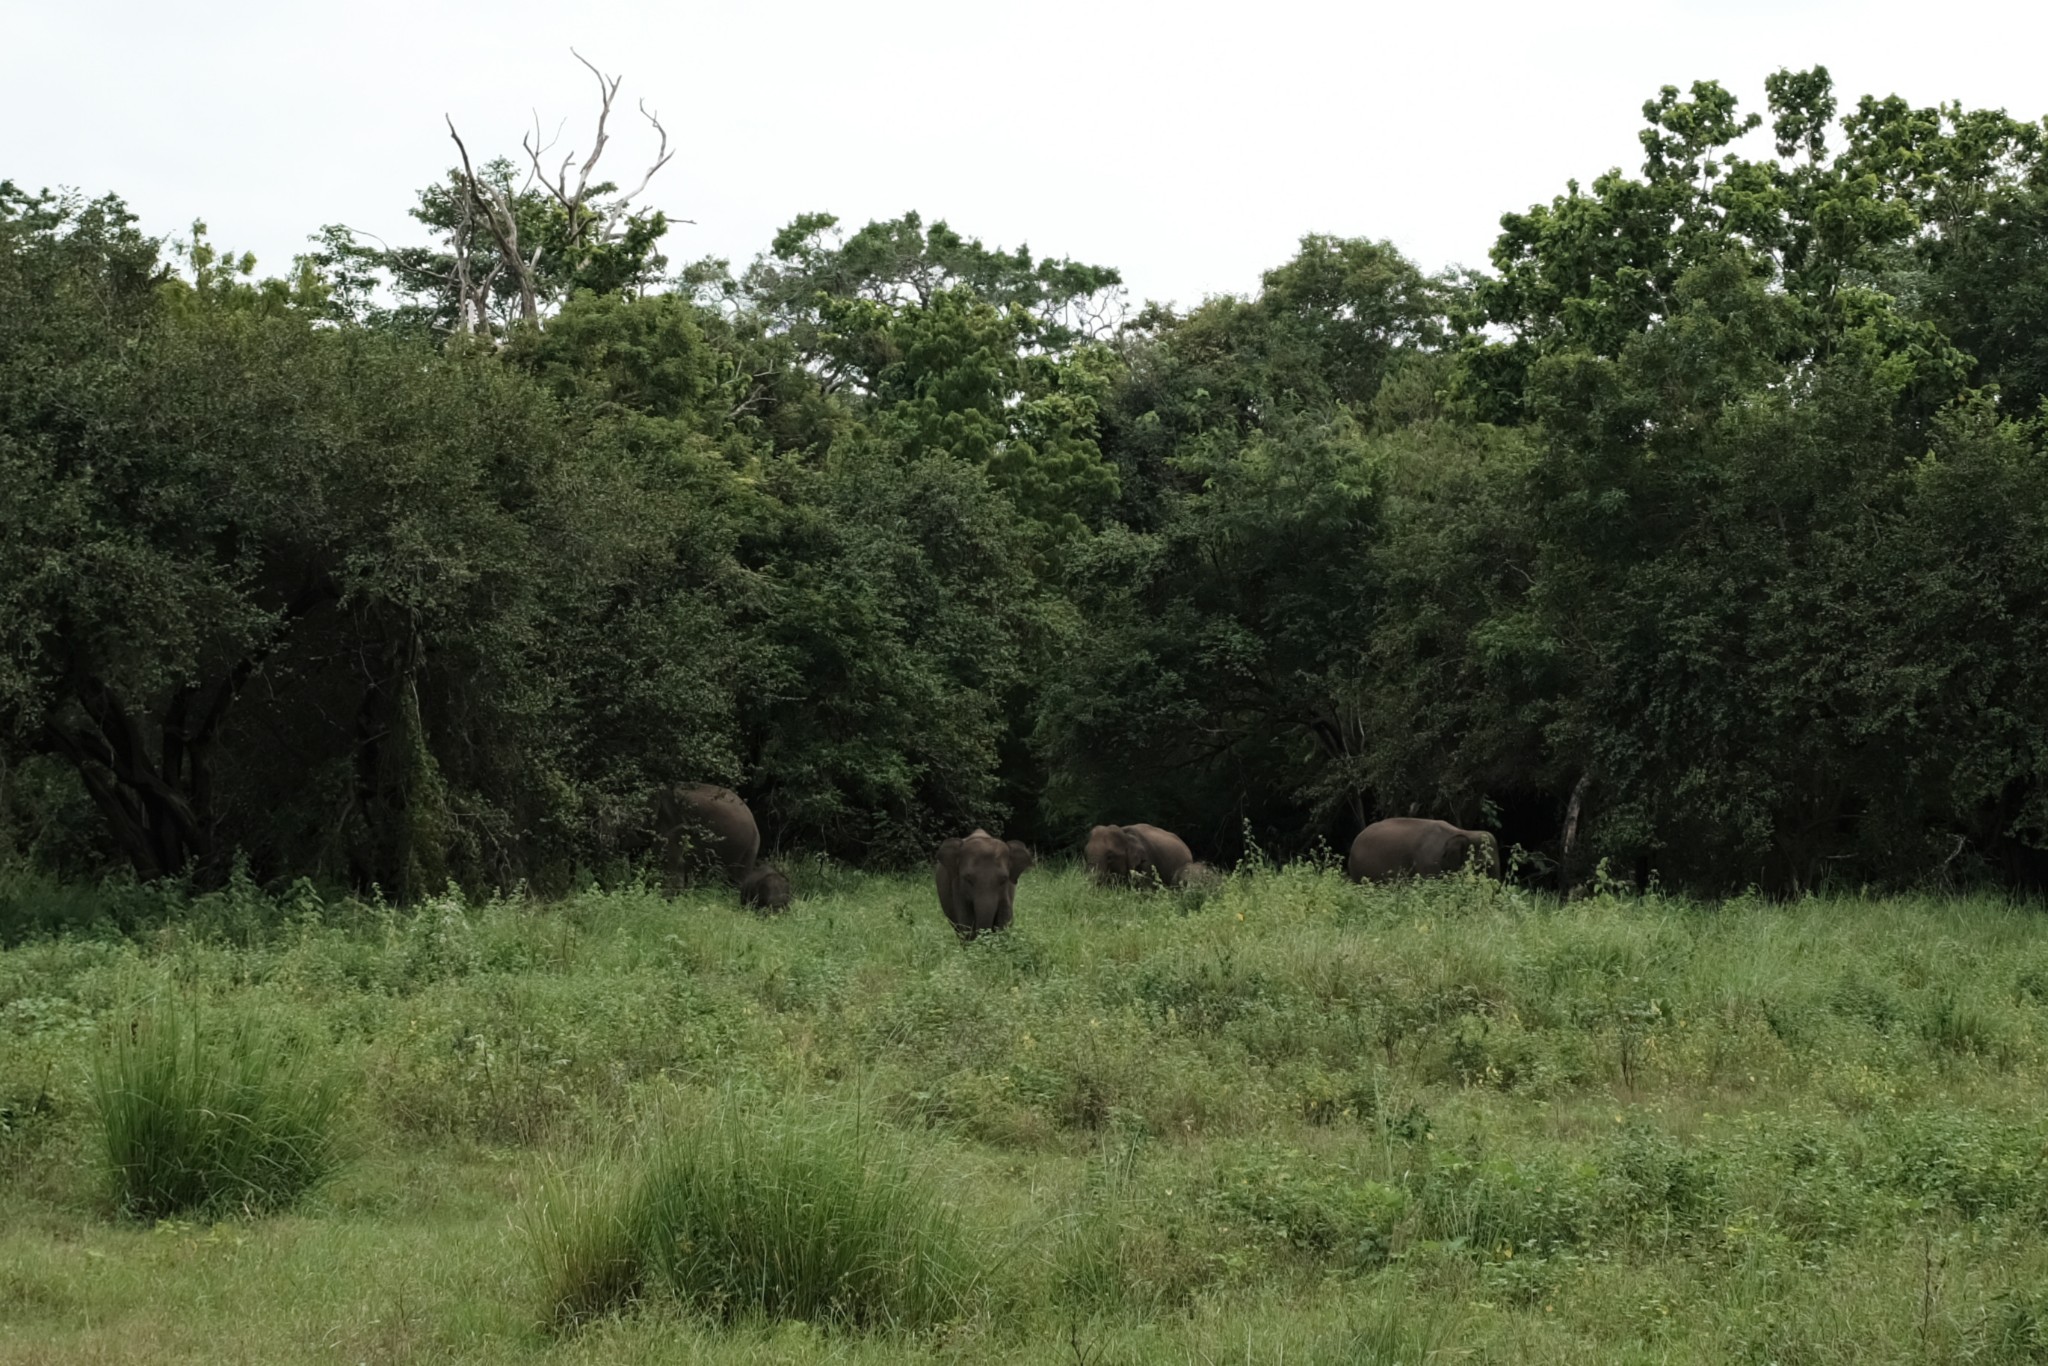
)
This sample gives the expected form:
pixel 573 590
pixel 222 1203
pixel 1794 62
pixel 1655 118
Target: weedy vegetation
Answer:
pixel 1288 1119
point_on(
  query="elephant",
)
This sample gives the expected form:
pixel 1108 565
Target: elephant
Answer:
pixel 1425 848
pixel 765 889
pixel 978 881
pixel 1197 875
pixel 699 822
pixel 1120 854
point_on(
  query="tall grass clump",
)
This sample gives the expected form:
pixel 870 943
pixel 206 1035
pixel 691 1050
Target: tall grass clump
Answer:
pixel 212 1119
pixel 824 1218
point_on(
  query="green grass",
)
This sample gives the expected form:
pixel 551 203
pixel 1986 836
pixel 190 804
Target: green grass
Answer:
pixel 789 1214
pixel 1287 1120
pixel 198 1116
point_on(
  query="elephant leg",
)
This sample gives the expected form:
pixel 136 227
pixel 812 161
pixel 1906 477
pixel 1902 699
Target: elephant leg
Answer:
pixel 964 921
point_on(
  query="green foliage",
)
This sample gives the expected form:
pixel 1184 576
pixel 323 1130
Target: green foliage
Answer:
pixel 1221 651
pixel 199 1115
pixel 812 272
pixel 952 348
pixel 902 609
pixel 272 586
pixel 1330 1216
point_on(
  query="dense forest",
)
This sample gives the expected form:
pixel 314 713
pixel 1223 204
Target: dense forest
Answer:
pixel 1702 534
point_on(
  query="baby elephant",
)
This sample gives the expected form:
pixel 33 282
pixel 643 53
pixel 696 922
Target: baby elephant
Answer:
pixel 978 881
pixel 1121 854
pixel 1405 845
pixel 1197 876
pixel 765 889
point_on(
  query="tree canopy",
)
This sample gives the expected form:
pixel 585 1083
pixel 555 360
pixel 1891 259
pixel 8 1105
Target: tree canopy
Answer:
pixel 1701 534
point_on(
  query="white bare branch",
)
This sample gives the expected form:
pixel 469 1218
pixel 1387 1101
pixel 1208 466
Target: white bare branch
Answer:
pixel 363 232
pixel 581 220
pixel 661 156
pixel 608 89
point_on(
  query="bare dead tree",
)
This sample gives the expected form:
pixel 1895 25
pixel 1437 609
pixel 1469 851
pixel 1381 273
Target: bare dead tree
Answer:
pixel 472 295
pixel 583 222
pixel 497 206
pixel 588 223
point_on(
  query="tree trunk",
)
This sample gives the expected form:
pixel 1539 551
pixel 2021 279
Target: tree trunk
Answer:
pixel 150 818
pixel 160 809
pixel 1571 831
pixel 386 733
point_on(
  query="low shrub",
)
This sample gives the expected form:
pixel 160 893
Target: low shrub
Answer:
pixel 1332 1215
pixel 198 1116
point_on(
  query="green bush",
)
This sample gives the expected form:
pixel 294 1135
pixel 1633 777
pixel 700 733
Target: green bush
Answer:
pixel 1335 1216
pixel 210 1118
pixel 823 1219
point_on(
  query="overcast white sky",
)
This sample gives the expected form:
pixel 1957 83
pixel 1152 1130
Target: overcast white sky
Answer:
pixel 1189 145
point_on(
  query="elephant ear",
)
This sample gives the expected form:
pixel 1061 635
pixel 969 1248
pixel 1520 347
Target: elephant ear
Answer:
pixel 1489 845
pixel 1465 845
pixel 1021 860
pixel 948 856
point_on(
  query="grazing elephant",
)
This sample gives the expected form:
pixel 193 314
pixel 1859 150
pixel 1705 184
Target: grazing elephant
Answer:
pixel 978 881
pixel 1120 854
pixel 1197 875
pixel 1391 848
pixel 701 823
pixel 765 889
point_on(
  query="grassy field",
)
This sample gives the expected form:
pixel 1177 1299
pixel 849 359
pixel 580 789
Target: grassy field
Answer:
pixel 1289 1120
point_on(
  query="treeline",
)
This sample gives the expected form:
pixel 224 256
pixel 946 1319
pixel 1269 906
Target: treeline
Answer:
pixel 1703 534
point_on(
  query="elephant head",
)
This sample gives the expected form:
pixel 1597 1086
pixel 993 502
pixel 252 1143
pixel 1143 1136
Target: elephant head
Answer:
pixel 1481 851
pixel 1121 854
pixel 765 889
pixel 1115 852
pixel 977 879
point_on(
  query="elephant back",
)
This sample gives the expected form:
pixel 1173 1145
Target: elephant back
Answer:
pixel 703 829
pixel 1166 854
pixel 1414 846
